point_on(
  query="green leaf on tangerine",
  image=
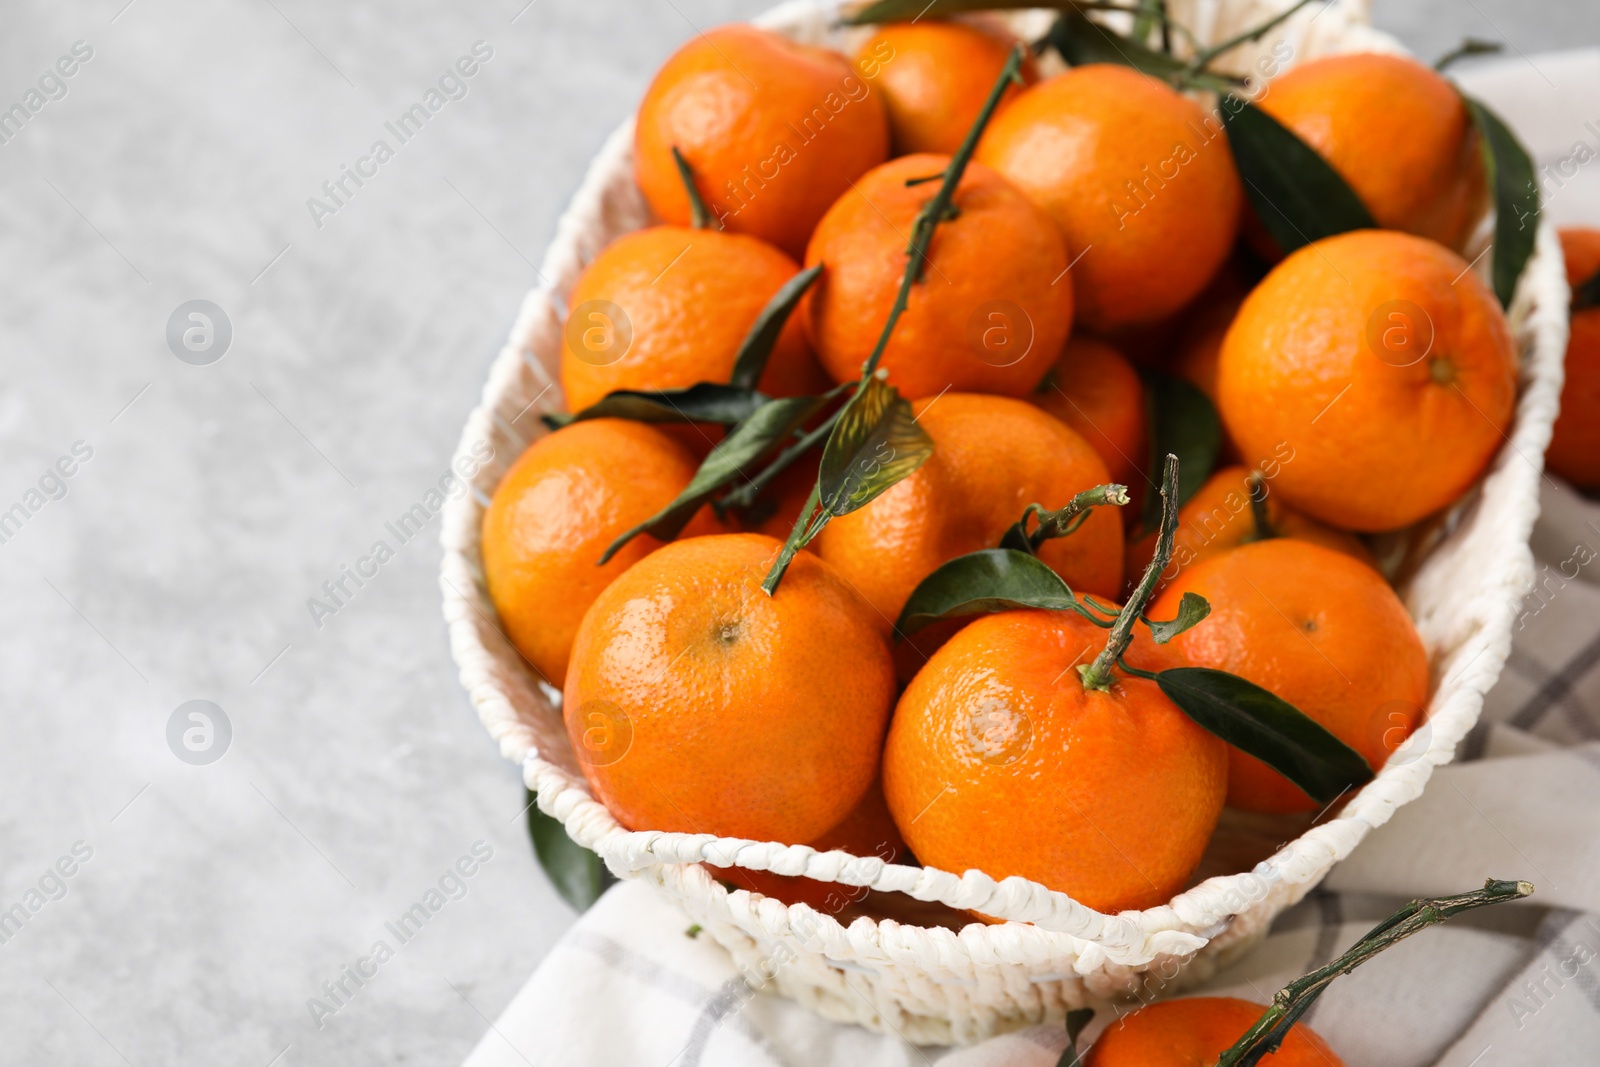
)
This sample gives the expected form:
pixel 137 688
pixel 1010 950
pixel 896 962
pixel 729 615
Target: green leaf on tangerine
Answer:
pixel 766 428
pixel 1192 608
pixel 1269 728
pixel 995 579
pixel 1082 41
pixel 701 402
pixel 763 335
pixel 1297 194
pixel 1516 198
pixel 875 444
pixel 1184 423
pixel 909 10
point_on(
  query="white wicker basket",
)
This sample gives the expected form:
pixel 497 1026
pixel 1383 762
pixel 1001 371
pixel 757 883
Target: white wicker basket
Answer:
pixel 934 985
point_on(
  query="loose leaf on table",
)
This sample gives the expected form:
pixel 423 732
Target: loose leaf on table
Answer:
pixel 1192 609
pixel 1082 41
pixel 995 579
pixel 1076 1021
pixel 763 335
pixel 701 402
pixel 577 873
pixel 1516 198
pixel 1183 423
pixel 766 428
pixel 1297 194
pixel 1267 727
pixel 875 443
pixel 1586 294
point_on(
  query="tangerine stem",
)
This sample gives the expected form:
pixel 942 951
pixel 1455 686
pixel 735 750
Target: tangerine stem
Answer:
pixel 1097 675
pixel 1291 1002
pixel 1258 506
pixel 1066 520
pixel 1199 63
pixel 699 214
pixel 936 210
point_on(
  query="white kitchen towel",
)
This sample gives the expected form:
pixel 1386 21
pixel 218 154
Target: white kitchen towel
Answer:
pixel 1512 986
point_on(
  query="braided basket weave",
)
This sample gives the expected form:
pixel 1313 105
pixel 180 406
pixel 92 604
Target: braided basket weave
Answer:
pixel 932 984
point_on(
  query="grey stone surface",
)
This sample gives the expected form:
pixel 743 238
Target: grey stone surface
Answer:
pixel 208 902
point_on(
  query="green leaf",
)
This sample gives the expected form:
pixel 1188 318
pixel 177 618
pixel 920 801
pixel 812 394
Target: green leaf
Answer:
pixel 1516 198
pixel 766 428
pixel 875 444
pixel 1192 608
pixel 1269 728
pixel 699 214
pixel 1184 423
pixel 1586 294
pixel 1076 1021
pixel 908 10
pixel 1297 194
pixel 1469 46
pixel 995 579
pixel 763 335
pixel 577 874
pixel 701 402
pixel 1082 41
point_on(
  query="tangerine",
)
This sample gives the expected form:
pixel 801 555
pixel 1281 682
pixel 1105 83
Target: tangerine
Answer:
pixel 697 703
pixel 1397 132
pixel 999 759
pixel 1321 630
pixel 935 76
pixel 1194 1031
pixel 1138 178
pixel 668 306
pixel 1575 443
pixel 555 512
pixel 1384 364
pixel 773 131
pixel 1094 390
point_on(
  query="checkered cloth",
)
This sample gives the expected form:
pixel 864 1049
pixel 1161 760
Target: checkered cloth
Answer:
pixel 1517 985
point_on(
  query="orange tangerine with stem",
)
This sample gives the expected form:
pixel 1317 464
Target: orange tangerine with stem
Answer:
pixel 772 130
pixel 1022 748
pixel 1194 1031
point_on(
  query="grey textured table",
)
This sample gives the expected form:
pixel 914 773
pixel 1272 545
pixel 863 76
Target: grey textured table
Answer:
pixel 209 499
